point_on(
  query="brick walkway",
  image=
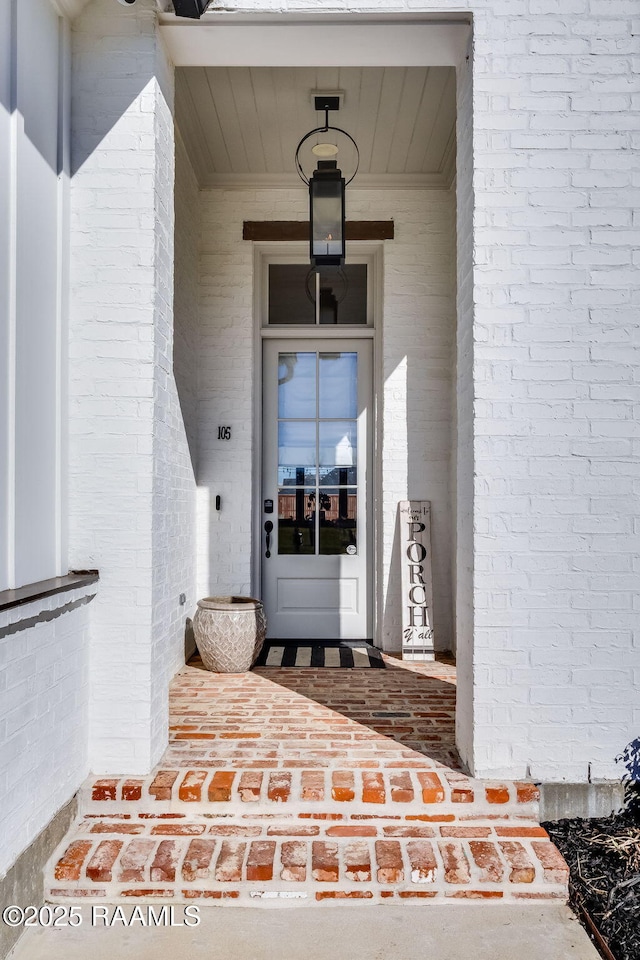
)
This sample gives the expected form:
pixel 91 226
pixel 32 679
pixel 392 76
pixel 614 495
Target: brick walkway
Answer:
pixel 309 785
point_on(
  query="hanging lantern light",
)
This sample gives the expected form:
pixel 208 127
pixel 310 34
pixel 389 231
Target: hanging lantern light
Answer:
pixel 326 193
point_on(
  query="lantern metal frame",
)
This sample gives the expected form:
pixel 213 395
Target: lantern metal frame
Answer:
pixel 325 129
pixel 326 172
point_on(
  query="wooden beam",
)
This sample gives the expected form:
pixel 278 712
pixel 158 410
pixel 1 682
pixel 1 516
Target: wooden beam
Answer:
pixel 275 230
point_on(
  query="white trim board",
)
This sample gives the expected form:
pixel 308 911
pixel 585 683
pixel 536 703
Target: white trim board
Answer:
pixel 73 8
pixel 346 44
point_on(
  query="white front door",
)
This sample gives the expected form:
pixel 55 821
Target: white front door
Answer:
pixel 316 487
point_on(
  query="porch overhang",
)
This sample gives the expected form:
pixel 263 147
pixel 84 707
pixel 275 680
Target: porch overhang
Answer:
pixel 236 43
pixel 73 8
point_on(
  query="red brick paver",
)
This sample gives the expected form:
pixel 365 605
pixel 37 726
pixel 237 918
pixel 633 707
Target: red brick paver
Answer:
pixel 293 855
pixel 320 785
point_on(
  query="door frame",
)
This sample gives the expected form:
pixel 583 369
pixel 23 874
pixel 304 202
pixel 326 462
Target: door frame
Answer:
pixel 353 625
pixel 372 253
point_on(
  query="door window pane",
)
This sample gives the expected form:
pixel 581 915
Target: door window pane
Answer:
pixel 297 521
pixel 296 385
pixel 297 452
pixel 338 385
pixel 343 294
pixel 296 476
pixel 338 444
pixel 289 300
pixel 330 476
pixel 337 512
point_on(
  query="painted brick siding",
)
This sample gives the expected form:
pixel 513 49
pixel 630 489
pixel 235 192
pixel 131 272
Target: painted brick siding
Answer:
pixel 187 294
pixel 417 328
pixel 555 540
pixel 553 561
pixel 122 400
pixel 44 707
pixel 186 335
pixel 555 371
pixel 418 331
pixel 226 383
pixel 462 451
pixel 174 500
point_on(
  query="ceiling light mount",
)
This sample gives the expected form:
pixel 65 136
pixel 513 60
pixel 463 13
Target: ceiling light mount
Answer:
pixel 320 95
pixel 326 101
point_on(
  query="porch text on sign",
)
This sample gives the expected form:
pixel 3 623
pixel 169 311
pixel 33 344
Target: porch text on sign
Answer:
pixel 417 588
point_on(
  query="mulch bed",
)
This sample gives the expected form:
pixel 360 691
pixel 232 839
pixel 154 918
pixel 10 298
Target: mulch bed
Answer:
pixel 603 855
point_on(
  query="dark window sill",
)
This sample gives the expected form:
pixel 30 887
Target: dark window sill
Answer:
pixel 46 588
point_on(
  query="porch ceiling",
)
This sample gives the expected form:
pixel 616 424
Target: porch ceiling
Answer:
pixel 241 125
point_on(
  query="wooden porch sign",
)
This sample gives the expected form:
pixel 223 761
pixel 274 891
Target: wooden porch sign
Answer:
pixel 417 588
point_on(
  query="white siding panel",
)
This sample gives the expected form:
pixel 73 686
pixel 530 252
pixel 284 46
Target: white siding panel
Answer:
pixel 5 273
pixel 44 645
pixel 36 291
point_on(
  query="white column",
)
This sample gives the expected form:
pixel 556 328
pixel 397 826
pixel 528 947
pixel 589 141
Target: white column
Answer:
pixel 121 371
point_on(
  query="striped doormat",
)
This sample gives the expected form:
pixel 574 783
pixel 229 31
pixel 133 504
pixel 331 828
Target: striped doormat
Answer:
pixel 307 653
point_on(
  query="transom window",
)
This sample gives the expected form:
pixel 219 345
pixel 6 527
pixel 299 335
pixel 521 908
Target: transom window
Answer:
pixel 302 295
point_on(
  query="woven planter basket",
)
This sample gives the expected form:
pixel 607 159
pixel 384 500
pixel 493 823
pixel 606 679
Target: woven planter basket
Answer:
pixel 229 632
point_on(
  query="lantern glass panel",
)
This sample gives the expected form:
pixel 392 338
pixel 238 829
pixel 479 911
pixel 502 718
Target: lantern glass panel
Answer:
pixel 327 206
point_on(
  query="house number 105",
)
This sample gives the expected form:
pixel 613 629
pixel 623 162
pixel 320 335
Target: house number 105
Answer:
pixel 224 433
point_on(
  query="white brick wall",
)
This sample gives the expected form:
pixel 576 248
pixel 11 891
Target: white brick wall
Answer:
pixel 174 504
pixel 418 333
pixel 44 705
pixel 417 330
pixel 225 378
pixel 186 335
pixel 187 294
pixel 129 472
pixel 553 554
pixel 463 473
pixel 556 356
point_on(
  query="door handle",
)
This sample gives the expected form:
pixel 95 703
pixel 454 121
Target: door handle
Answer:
pixel 268 526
